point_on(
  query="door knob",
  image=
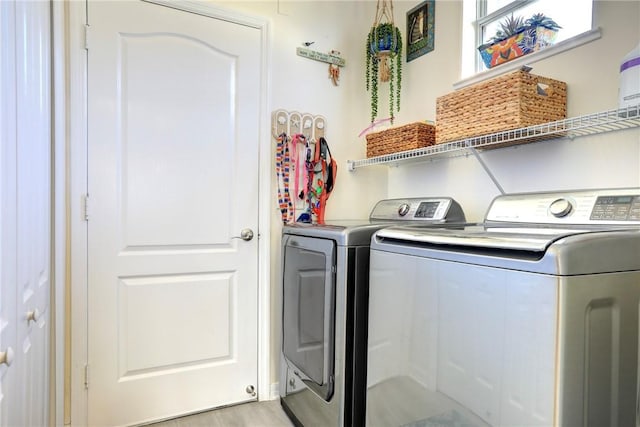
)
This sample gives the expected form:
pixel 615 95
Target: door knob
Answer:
pixel 246 234
pixel 33 315
pixel 251 390
pixel 6 357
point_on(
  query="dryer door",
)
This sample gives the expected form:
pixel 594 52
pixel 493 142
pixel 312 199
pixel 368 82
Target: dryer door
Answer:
pixel 308 321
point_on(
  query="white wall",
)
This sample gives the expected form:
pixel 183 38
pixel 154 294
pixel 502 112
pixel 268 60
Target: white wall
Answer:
pixel 591 74
pixel 299 84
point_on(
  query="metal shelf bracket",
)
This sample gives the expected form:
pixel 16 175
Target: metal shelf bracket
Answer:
pixel 486 169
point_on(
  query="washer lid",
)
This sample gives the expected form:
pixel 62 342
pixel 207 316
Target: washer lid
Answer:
pixel 549 251
pixel 521 239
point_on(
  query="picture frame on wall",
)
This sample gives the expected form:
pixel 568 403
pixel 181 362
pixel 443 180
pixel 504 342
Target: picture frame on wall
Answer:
pixel 420 29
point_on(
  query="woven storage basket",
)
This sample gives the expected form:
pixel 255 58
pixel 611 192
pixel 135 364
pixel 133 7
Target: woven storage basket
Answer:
pixel 401 138
pixel 512 101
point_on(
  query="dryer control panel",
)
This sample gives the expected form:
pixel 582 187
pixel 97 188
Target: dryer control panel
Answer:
pixel 437 209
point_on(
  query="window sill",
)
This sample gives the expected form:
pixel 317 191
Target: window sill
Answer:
pixel 579 40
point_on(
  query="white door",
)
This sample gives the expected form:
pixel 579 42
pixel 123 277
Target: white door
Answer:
pixel 173 178
pixel 25 188
pixel 10 405
pixel 33 204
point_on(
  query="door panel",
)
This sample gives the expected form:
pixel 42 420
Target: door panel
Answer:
pixel 143 335
pixel 153 189
pixel 26 212
pixel 33 205
pixel 173 166
pixel 10 403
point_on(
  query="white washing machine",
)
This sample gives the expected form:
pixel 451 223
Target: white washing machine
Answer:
pixel 325 288
pixel 530 319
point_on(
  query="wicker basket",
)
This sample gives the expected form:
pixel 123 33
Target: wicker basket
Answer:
pixel 401 138
pixel 512 101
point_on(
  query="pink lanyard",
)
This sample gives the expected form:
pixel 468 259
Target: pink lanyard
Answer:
pixel 299 172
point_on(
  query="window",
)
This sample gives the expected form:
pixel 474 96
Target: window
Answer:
pixel 482 18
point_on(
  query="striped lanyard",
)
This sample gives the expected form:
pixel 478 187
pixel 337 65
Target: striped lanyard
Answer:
pixel 283 162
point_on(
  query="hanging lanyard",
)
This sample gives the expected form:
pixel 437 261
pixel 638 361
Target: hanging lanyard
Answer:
pixel 298 171
pixel 282 171
pixel 326 167
pixel 313 177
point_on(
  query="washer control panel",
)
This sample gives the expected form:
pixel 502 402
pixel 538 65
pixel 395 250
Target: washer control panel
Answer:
pixel 438 209
pixel 617 208
pixel 582 207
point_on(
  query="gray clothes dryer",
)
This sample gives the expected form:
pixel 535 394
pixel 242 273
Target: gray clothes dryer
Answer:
pixel 324 284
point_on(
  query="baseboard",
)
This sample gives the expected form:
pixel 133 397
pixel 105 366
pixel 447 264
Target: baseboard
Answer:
pixel 275 391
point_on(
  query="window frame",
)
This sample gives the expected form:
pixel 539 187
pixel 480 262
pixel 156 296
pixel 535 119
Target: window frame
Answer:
pixel 475 20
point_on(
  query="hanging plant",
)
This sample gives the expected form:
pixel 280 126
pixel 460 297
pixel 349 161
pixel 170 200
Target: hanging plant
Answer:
pixel 384 59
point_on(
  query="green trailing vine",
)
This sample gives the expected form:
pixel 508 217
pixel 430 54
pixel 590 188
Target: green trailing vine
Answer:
pixel 391 93
pixel 367 54
pixel 380 37
pixel 374 90
pixel 397 70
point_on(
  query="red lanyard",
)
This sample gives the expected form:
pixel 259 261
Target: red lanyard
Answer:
pixel 327 170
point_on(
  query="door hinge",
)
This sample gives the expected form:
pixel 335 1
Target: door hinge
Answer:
pixel 85 207
pixel 86 377
pixel 86 37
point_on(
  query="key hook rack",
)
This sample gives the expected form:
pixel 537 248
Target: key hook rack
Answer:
pixel 313 127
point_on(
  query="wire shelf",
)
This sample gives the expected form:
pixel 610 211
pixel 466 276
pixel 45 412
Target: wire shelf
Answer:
pixel 591 124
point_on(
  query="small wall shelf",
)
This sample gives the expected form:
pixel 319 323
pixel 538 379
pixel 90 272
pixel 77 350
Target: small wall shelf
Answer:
pixel 591 124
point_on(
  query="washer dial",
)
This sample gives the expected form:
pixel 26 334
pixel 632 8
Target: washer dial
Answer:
pixel 403 209
pixel 560 208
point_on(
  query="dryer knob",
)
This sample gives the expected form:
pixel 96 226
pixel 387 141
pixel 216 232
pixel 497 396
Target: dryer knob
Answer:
pixel 403 209
pixel 560 208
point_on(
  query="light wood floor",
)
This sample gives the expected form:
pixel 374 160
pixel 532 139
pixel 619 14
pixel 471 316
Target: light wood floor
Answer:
pixel 255 414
